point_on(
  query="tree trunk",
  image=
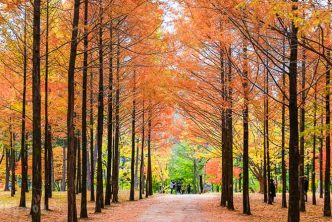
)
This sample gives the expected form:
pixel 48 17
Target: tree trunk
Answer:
pixel 84 211
pixel 115 176
pixel 36 120
pixel 246 201
pixel 92 159
pixel 267 138
pixel 110 122
pixel 283 162
pixel 293 210
pixel 64 168
pixel 133 138
pixel 47 166
pixel 313 178
pixel 99 194
pixel 79 166
pixel 24 164
pixel 229 126
pixel 136 164
pixel 12 163
pixel 72 211
pixel 302 128
pixel 327 179
pixel 321 176
pixel 141 176
pixel 149 170
pixel 7 169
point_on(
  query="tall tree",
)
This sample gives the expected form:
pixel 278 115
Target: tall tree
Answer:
pixel 99 194
pixel 283 122
pixel 302 128
pixel 24 164
pixel 149 186
pixel 327 179
pixel 84 211
pixel 36 119
pixel 313 177
pixel 293 210
pixel 12 161
pixel 116 155
pixel 133 139
pixel 141 175
pixel 47 164
pixel 108 194
pixel 72 211
pixel 246 201
pixel 92 170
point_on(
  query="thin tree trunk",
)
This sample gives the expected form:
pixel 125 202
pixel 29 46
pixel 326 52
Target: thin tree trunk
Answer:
pixel 47 166
pixel 92 171
pixel 64 168
pixel 12 162
pixel 110 122
pixel 36 123
pixel 7 169
pixel 136 164
pixel 246 201
pixel 72 211
pixel 229 126
pixel 24 164
pixel 79 166
pixel 267 138
pixel 327 178
pixel 302 128
pixel 133 138
pixel 149 170
pixel 283 162
pixel 321 175
pixel 100 193
pixel 84 211
pixel 313 178
pixel 141 176
pixel 115 176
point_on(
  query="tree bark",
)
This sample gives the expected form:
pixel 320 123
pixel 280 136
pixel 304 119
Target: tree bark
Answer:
pixel 64 168
pixel 327 179
pixel 133 138
pixel 115 176
pixel 100 193
pixel 92 159
pixel 110 122
pixel 84 211
pixel 313 177
pixel 24 157
pixel 293 210
pixel 36 120
pixel 302 128
pixel 149 170
pixel 283 162
pixel 12 162
pixel 141 176
pixel 72 211
pixel 246 201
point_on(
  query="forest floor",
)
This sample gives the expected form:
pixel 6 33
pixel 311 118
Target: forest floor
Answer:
pixel 159 208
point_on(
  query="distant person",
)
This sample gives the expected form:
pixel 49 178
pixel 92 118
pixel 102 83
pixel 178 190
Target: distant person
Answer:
pixel 189 189
pixel 178 188
pixel 172 186
pixel 305 188
pixel 272 191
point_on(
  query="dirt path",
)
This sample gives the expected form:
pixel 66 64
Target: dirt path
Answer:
pixel 163 208
pixel 175 208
